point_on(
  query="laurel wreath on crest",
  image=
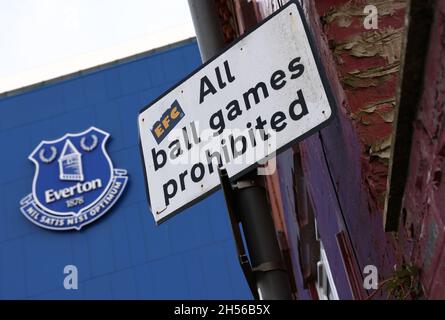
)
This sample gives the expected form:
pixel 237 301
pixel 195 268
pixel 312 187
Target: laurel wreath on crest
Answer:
pixel 53 149
pixel 91 146
pixel 51 157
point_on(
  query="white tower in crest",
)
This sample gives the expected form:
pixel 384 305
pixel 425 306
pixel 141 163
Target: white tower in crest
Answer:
pixel 70 163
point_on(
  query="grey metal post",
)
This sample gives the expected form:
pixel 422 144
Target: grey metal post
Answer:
pixel 262 244
pixel 208 31
pixel 250 196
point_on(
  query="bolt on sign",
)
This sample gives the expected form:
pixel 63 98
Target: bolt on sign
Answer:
pixel 262 94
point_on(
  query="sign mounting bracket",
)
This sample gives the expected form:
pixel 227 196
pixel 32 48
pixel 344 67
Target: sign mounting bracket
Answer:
pixel 243 259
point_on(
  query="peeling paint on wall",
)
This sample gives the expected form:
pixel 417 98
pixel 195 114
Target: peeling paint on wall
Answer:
pixel 381 148
pixel 384 108
pixel 367 64
pixel 385 43
pixel 371 77
pixel 345 14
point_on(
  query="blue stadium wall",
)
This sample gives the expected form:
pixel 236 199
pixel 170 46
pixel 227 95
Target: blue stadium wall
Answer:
pixel 123 255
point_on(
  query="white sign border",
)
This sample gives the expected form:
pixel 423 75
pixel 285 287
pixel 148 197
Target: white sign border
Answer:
pixel 324 80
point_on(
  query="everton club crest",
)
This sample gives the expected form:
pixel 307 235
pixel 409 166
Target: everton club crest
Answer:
pixel 74 182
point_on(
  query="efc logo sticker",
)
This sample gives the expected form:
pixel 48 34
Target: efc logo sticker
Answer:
pixel 168 121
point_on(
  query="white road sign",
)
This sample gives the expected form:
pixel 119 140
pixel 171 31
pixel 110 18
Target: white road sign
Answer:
pixel 262 94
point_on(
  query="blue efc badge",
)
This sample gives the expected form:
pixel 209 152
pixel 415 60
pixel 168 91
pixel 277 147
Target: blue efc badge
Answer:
pixel 74 182
pixel 168 121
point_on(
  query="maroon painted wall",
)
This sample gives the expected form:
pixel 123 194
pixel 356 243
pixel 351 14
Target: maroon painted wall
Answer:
pixel 345 166
pixel 347 163
pixel 423 220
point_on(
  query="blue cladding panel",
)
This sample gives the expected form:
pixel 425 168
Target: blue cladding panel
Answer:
pixel 123 284
pixel 13 271
pixel 74 94
pixel 46 268
pixel 123 255
pixel 98 288
pixel 101 250
pixel 94 88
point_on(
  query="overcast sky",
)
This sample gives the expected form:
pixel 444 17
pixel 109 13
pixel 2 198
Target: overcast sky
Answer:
pixel 46 38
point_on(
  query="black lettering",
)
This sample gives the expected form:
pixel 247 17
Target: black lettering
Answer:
pixel 181 179
pixel 234 110
pixel 175 149
pixel 260 123
pixel 169 195
pixel 196 138
pixel 217 122
pixel 300 101
pixel 196 178
pixel 251 134
pixel 277 118
pixel 203 91
pixel 210 156
pixel 221 83
pixel 233 141
pixel 225 151
pixel 155 155
pixel 254 93
pixel 186 138
pixel 230 78
pixel 295 66
pixel 277 80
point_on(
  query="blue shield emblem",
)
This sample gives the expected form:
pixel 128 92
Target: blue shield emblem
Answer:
pixel 74 182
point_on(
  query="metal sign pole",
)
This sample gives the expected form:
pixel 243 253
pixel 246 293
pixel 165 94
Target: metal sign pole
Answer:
pixel 234 221
pixel 249 196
